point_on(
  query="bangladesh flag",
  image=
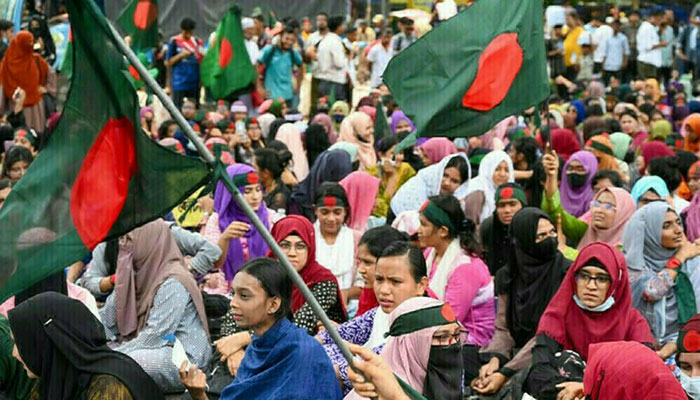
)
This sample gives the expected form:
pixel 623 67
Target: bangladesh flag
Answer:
pixel 99 176
pixel 226 68
pixel 381 127
pixel 472 71
pixel 140 21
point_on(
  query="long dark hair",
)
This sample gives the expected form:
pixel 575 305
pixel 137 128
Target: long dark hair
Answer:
pixel 380 237
pixel 416 261
pixel 464 228
pixel 274 279
pixel 13 155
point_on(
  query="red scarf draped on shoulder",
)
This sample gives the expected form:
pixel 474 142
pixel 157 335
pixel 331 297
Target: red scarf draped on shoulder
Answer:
pixel 192 45
pixel 575 328
pixel 20 67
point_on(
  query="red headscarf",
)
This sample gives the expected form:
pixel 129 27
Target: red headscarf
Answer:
pixel 575 328
pixel 694 122
pixel 652 150
pixel 565 143
pixel 629 371
pixel 20 67
pixel 313 272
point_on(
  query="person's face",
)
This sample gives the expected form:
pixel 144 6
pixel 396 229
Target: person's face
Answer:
pixel 628 124
pixel 331 219
pixel 694 185
pixel 287 41
pixel 3 195
pixel 389 161
pixel 296 250
pixel 570 21
pixel 689 364
pixel 669 17
pixel 321 22
pixel 187 34
pixel 250 304
pixel 506 209
pixel 386 39
pixel 17 170
pixel 602 184
pixel 672 232
pixel 446 335
pixel 634 19
pixel 254 132
pixel 657 116
pixel 403 126
pixel 592 284
pixel 366 264
pixel 576 167
pixel 603 210
pixel 424 157
pixel 430 235
pixel 306 26
pixel 501 174
pixel 451 180
pixel 557 33
pixel 408 29
pixel 253 195
pixel 189 110
pixel 248 33
pixel 34 24
pixel 24 142
pixel 394 284
pixel 172 129
pixel 239 116
pixel 648 197
pixel 545 229
pixel 215 132
pixel 572 112
pixel 18 357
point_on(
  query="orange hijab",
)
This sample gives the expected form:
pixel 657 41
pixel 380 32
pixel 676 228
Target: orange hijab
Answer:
pixel 20 68
pixel 693 121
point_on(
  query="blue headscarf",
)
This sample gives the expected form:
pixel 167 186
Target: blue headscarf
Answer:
pixel 330 166
pixel 580 111
pixel 284 363
pixel 648 183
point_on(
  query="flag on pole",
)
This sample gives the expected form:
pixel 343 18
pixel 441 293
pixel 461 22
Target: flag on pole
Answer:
pixel 472 71
pixel 381 126
pixel 226 67
pixel 140 21
pixel 99 176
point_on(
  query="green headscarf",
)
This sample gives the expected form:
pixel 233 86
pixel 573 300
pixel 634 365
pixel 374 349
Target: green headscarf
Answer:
pixel 660 130
pixel 621 143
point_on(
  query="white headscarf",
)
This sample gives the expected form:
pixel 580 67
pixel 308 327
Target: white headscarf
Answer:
pixel 484 182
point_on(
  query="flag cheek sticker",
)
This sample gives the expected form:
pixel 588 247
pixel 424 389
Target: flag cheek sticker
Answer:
pixel 145 15
pixel 101 187
pixel 499 64
pixel 225 53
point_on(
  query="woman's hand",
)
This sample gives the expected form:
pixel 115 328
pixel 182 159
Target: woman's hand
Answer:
pixel 235 230
pixel 667 350
pixel 488 369
pixel 570 391
pixel 234 361
pixel 322 328
pixel 490 384
pixel 194 380
pixel 382 382
pixel 688 250
pixel 550 162
pixel 231 344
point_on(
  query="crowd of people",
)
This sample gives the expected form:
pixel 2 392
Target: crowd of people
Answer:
pixel 554 257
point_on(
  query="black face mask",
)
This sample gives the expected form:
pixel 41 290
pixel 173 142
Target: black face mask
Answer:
pixel 443 378
pixel 338 118
pixel 576 180
pixel 545 249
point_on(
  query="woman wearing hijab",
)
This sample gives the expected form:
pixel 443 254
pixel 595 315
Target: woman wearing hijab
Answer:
pixel 330 166
pixel 21 68
pixel 565 143
pixel 495 169
pixel 688 357
pixel 602 149
pixel 579 109
pixel 265 121
pixel 621 144
pixel 457 275
pixel 155 295
pixel 435 149
pixel 281 360
pixel 361 189
pixel 274 127
pixel 650 151
pixel 316 142
pixel 401 123
pixel 230 228
pixel 40 29
pixel 424 349
pixel 392 173
pixel 325 121
pixel 575 192
pixel 494 231
pixel 14 382
pixel 593 305
pixel 664 271
pixel 254 131
pixel 63 345
pixel 339 110
pixel 525 286
pixel 691 130
pixel 649 189
pixel 289 135
pixel 357 128
pixel 450 176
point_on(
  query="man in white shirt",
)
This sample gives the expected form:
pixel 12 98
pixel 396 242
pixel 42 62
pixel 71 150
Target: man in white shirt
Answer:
pixel 251 45
pixel 601 33
pixel 649 46
pixel 332 61
pixel 379 57
pixel 616 52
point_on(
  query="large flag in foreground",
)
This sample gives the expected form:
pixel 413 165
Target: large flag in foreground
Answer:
pixel 475 69
pixel 99 176
pixel 226 67
pixel 139 19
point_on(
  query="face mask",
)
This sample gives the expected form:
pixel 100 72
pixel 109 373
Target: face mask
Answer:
pixel 576 180
pixel 609 302
pixel 443 378
pixel 338 118
pixel 691 385
pixel 545 249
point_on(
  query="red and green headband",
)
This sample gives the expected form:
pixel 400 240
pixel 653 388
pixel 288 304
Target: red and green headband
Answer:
pixel 511 191
pixel 437 216
pixel 330 201
pixel 242 180
pixel 421 319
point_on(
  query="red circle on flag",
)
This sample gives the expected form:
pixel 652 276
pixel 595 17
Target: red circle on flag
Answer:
pixel 499 64
pixel 691 341
pixel 507 193
pixel 102 185
pixel 225 53
pixel 448 313
pixel 145 15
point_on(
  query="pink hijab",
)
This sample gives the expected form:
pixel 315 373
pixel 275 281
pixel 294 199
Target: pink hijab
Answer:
pixel 495 139
pixel 353 130
pixel 325 121
pixel 361 189
pixel 438 148
pixel 289 135
pixel 624 208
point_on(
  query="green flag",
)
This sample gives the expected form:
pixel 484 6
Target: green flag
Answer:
pixel 472 71
pixel 99 176
pixel 140 21
pixel 226 67
pixel 381 127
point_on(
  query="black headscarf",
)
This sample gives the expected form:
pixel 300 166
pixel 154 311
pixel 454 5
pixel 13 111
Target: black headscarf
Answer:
pixel 65 345
pixel 274 127
pixel 52 283
pixel 315 141
pixel 49 52
pixel 532 276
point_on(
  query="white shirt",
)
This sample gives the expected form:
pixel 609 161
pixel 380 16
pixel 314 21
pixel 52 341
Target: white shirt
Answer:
pixel 332 62
pixel 647 38
pixel 253 51
pixel 614 50
pixel 600 36
pixel 379 56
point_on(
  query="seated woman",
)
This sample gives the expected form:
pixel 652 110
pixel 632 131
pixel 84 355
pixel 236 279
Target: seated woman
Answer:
pixel 457 275
pixel 361 189
pixel 510 199
pixel 62 345
pixel 357 128
pixel 688 357
pixel 295 235
pixel 435 149
pixel 230 228
pixel 575 191
pixel 17 160
pixel 649 189
pixel 664 271
pixel 399 275
pixel 424 349
pixel 525 287
pixel 392 172
pixel 495 169
pixel 154 296
pixel 450 176
pixel 270 165
pixel 282 361
pixel 593 305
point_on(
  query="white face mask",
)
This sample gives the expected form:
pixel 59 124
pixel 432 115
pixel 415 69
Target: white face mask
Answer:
pixel 691 385
pixel 609 302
